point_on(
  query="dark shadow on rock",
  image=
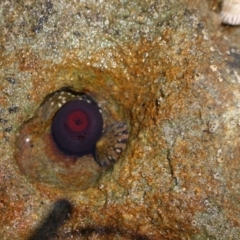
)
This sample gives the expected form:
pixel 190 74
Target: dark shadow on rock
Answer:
pixel 108 231
pixel 60 212
pixel 49 229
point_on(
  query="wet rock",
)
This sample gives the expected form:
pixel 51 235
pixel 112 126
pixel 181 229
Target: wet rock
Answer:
pixel 160 67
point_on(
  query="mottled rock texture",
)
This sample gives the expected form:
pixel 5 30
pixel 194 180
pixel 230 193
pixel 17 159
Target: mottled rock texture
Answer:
pixel 171 72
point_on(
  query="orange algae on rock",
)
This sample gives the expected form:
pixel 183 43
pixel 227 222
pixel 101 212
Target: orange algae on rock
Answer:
pixel 160 76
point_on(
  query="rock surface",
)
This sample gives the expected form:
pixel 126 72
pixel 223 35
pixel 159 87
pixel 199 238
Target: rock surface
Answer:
pixel 172 72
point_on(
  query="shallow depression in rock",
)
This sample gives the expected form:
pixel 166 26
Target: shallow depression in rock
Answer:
pixel 70 141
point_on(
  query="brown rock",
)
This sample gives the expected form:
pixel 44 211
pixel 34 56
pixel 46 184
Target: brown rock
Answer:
pixel 159 66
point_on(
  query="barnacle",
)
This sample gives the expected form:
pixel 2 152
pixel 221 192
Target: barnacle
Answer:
pixel 70 141
pixel 231 12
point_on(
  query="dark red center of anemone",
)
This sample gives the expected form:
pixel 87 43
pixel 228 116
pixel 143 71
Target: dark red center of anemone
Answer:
pixel 77 121
pixel 77 126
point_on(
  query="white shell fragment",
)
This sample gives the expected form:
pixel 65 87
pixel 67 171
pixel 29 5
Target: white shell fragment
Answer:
pixel 231 12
